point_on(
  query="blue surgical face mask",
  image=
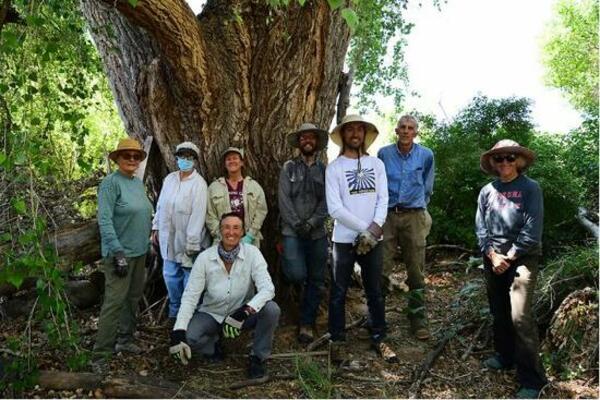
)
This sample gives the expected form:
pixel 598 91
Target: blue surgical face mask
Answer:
pixel 184 164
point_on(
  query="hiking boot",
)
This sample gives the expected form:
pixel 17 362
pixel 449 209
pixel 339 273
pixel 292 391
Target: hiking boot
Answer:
pixel 127 347
pixel 495 363
pixel 385 352
pixel 419 329
pixel 527 393
pixel 305 335
pixel 257 369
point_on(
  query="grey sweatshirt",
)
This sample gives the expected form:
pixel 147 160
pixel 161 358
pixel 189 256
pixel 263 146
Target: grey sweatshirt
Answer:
pixel 301 196
pixel 510 217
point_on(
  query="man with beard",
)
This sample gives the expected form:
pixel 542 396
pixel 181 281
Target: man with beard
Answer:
pixel 357 197
pixel 303 210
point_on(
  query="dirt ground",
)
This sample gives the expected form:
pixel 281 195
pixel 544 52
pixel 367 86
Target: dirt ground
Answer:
pixel 457 373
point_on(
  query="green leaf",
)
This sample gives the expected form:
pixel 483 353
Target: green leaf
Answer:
pixel 301 2
pixel 5 237
pixel 15 278
pixel 335 4
pixel 2 158
pixel 19 205
pixel 133 3
pixel 350 17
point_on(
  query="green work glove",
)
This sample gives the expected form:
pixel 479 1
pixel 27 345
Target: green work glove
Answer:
pixel 232 326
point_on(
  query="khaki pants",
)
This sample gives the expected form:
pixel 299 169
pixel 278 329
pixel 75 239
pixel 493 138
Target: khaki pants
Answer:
pixel 121 297
pixel 408 230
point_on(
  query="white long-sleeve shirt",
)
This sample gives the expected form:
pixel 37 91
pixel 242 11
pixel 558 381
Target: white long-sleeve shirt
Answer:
pixel 355 198
pixel 181 214
pixel 248 282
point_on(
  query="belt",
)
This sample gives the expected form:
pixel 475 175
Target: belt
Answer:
pixel 399 209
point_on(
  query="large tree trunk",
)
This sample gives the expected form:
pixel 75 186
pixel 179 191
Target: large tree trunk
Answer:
pixel 240 73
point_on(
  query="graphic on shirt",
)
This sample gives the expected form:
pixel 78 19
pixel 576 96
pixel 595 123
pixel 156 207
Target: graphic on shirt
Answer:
pixel 361 181
pixel 511 199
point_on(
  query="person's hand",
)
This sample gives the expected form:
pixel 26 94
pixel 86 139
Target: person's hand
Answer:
pixel 120 264
pixel 154 237
pixel 376 230
pixel 303 229
pixel 248 238
pixel 365 242
pixel 179 349
pixel 186 261
pixel 232 326
pixel 500 263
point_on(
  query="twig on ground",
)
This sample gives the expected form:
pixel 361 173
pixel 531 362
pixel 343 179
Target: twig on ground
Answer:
pixel 323 339
pixel 470 348
pixel 260 381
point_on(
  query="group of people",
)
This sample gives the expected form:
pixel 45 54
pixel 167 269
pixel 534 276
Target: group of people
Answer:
pixel 218 281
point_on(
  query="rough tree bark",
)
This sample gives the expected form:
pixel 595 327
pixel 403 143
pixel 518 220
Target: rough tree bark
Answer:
pixel 240 73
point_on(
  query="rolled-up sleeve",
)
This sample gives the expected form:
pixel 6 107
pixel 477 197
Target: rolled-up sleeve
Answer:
pixel 265 290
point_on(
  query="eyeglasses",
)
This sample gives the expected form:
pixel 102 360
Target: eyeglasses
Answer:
pixel 508 157
pixel 131 156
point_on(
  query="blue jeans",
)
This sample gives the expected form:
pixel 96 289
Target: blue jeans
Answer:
pixel 371 265
pixel 304 262
pixel 176 278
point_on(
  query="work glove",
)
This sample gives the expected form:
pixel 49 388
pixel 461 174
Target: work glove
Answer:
pixel 120 264
pixel 232 326
pixel 248 238
pixel 367 240
pixel 179 349
pixel 303 229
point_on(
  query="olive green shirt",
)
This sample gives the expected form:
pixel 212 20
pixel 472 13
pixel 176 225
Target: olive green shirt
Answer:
pixel 124 215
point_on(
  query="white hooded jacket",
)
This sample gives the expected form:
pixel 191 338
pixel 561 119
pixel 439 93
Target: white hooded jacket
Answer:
pixel 180 215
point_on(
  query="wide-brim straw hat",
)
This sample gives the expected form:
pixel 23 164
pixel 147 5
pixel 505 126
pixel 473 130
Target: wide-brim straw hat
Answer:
pixel 294 137
pixel 505 146
pixel 371 131
pixel 127 144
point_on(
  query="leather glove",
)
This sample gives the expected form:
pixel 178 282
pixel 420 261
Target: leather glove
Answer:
pixel 232 326
pixel 248 238
pixel 179 349
pixel 120 264
pixel 303 229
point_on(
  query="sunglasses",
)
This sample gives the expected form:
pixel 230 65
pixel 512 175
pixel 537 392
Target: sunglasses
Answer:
pixel 509 157
pixel 131 156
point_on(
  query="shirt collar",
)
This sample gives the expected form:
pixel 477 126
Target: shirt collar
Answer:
pixel 412 150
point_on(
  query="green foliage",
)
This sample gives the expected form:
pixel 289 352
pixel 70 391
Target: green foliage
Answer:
pixel 315 383
pixel 571 53
pixel 458 146
pixel 376 54
pixel 56 97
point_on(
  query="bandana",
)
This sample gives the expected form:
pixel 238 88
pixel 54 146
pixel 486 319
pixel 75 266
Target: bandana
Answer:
pixel 228 256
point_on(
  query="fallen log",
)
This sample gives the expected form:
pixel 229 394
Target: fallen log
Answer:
pixel 77 243
pixel 116 387
pixel 589 225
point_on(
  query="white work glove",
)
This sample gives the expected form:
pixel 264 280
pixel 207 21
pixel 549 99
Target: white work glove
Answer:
pixel 179 349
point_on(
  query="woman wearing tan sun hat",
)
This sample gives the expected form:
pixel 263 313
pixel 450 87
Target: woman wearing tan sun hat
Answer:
pixel 125 222
pixel 509 223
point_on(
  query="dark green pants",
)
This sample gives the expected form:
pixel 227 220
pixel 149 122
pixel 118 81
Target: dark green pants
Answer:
pixel 121 297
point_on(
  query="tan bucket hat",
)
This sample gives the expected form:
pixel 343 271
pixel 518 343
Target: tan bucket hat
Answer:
pixel 370 134
pixel 294 137
pixel 232 149
pixel 127 144
pixel 505 146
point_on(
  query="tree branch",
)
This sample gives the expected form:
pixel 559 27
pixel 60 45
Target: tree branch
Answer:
pixel 175 29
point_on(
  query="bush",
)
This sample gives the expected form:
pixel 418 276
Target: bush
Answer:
pixel 457 147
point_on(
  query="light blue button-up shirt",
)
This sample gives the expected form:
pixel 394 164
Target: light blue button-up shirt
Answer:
pixel 410 176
